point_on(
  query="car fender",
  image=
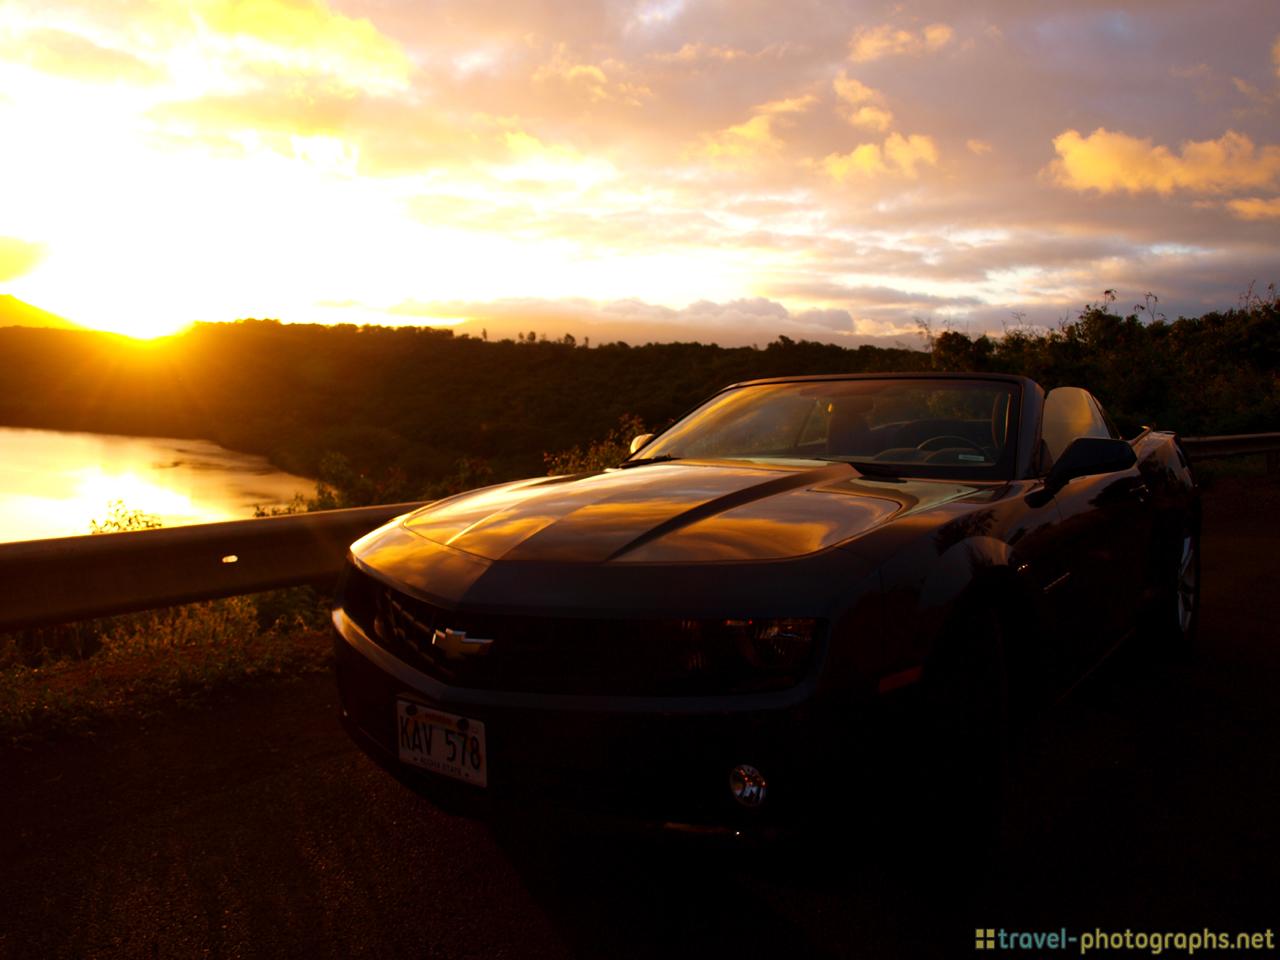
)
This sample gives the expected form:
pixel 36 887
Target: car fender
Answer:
pixel 960 566
pixel 922 588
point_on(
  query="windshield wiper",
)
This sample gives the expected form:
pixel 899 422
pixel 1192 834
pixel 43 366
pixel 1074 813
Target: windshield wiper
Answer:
pixel 660 458
pixel 867 469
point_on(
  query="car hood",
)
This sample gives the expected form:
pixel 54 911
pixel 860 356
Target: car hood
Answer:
pixel 689 511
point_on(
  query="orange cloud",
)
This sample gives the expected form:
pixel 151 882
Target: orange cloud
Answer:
pixel 854 91
pixel 885 40
pixel 788 105
pixel 745 139
pixel 1111 162
pixel 1256 208
pixel 590 79
pixel 1275 54
pixel 865 103
pixel 873 118
pixel 1249 91
pixel 755 136
pixel 693 52
pixel 898 155
pixel 978 147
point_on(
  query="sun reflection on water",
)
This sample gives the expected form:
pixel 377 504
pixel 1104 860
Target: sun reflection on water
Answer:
pixel 53 484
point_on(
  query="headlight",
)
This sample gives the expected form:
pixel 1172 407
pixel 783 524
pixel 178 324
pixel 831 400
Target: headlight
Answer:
pixel 747 655
pixel 784 644
pixel 774 645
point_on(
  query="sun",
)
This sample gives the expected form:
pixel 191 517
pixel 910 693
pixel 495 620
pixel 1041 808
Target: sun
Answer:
pixel 141 328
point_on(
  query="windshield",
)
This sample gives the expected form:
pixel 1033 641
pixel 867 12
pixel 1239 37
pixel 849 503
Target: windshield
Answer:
pixel 960 429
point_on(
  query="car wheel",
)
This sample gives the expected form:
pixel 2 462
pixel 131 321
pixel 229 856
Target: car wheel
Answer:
pixel 1182 606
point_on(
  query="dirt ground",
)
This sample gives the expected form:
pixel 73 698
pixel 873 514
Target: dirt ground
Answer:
pixel 252 827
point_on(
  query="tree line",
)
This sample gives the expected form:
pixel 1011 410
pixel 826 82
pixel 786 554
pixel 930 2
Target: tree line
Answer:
pixel 401 413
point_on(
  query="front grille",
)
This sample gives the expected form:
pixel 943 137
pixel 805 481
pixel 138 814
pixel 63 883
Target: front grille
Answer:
pixel 571 655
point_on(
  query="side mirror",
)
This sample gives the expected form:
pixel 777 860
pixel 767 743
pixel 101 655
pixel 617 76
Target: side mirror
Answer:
pixel 1087 457
pixel 640 441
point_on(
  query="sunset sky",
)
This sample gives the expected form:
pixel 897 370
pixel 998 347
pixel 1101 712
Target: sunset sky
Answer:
pixel 663 169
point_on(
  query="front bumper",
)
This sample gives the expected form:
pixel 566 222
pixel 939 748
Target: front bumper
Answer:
pixel 653 762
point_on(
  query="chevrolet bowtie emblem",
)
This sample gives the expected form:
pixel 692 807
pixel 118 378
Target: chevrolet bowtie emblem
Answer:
pixel 455 644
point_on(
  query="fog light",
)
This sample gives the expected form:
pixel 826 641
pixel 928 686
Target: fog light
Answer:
pixel 747 784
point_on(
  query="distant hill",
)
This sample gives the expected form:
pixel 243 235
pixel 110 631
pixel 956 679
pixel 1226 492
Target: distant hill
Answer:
pixel 18 313
pixel 391 414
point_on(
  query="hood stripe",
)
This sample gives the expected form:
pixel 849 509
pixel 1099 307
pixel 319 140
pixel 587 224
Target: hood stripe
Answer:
pixel 728 501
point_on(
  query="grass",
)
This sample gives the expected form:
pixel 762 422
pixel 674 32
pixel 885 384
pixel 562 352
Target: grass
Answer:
pixel 71 679
pixel 1211 473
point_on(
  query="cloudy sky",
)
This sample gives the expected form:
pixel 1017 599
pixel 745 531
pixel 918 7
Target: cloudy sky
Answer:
pixel 661 169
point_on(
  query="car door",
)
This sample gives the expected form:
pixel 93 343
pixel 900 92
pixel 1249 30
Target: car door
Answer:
pixel 1103 530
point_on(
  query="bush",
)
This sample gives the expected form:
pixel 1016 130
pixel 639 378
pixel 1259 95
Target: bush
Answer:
pixel 65 676
pixel 609 452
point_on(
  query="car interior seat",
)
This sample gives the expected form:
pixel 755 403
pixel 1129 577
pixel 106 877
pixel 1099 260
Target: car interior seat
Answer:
pixel 849 429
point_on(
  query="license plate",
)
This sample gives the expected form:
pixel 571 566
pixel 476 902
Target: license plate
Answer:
pixel 442 743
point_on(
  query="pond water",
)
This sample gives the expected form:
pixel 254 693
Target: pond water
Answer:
pixel 53 484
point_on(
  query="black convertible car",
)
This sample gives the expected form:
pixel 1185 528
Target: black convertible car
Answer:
pixel 800 583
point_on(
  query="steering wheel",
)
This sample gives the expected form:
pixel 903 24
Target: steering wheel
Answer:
pixel 935 443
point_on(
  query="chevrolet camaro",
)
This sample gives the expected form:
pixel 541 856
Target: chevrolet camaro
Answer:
pixel 799 584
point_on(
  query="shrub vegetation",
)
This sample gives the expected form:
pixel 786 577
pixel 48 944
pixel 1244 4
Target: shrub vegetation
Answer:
pixel 70 676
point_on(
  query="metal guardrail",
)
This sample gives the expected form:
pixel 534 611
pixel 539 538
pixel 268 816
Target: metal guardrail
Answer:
pixel 1238 445
pixel 77 578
